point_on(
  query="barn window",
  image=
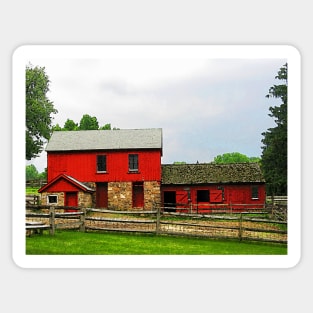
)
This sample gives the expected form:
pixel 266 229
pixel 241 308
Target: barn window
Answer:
pixel 101 163
pixel 203 195
pixel 52 199
pixel 255 192
pixel 133 162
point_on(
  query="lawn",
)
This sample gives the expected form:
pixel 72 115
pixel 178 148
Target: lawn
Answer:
pixel 94 243
pixel 32 190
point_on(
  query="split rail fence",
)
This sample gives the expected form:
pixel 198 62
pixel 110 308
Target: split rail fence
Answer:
pixel 240 226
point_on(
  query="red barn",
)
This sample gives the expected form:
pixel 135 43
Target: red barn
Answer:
pixel 123 167
pixel 203 187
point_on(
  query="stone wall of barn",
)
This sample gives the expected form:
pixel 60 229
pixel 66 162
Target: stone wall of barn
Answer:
pixel 85 199
pixel 152 194
pixel 120 195
pixel 60 195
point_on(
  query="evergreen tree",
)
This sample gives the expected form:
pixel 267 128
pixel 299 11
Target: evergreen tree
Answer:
pixel 274 151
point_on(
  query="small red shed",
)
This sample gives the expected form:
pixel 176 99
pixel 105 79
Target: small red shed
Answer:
pixel 65 190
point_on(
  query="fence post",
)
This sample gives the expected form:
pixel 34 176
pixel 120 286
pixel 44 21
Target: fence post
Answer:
pixel 52 220
pixel 240 227
pixel 82 227
pixel 158 216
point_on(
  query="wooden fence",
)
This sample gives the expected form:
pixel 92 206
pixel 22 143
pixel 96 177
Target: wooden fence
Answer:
pixel 241 226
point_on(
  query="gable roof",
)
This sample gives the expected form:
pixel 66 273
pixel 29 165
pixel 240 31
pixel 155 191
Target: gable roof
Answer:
pixel 179 174
pixel 70 180
pixel 105 139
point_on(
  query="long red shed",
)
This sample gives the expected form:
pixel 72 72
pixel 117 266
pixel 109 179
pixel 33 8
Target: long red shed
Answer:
pixel 211 187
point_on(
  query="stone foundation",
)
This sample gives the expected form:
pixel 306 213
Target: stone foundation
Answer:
pixel 120 196
pixel 85 199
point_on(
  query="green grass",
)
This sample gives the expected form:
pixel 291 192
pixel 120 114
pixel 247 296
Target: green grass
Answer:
pixel 32 190
pixel 77 243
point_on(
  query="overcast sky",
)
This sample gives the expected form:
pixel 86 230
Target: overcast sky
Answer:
pixel 205 107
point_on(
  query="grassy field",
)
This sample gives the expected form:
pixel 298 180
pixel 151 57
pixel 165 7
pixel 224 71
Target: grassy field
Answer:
pixel 77 243
pixel 32 190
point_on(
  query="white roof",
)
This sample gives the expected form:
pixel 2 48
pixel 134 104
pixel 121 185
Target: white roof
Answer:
pixel 105 139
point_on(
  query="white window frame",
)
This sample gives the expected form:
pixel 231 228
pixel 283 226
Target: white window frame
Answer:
pixel 52 195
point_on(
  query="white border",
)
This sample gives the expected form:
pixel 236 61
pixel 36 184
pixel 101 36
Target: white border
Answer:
pixel 20 59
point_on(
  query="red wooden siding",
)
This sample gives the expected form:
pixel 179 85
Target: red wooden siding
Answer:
pixel 83 165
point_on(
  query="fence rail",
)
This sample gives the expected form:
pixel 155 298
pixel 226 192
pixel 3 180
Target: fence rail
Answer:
pixel 241 226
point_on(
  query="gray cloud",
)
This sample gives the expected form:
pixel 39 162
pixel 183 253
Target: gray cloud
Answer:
pixel 209 108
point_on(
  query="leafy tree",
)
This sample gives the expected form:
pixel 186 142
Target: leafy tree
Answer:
pixel 234 157
pixel 31 172
pixel 56 127
pixel 88 122
pixel 43 175
pixel 274 151
pixel 106 127
pixel 254 159
pixel 70 125
pixel 38 110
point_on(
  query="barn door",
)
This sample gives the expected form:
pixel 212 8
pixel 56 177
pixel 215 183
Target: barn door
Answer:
pixel 71 200
pixel 169 201
pixel 138 196
pixel 102 195
pixel 216 196
pixel 182 202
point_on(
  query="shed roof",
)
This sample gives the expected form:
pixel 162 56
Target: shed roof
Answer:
pixel 179 174
pixel 69 179
pixel 105 139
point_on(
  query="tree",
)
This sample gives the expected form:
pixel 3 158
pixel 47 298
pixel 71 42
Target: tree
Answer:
pixel 88 123
pixel 38 111
pixel 31 172
pixel 70 125
pixel 106 127
pixel 234 157
pixel 274 151
pixel 56 127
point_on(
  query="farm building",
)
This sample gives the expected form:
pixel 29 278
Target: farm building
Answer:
pixel 121 169
pixel 204 187
pixel 65 190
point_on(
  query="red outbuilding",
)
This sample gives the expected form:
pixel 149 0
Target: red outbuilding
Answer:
pixel 204 188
